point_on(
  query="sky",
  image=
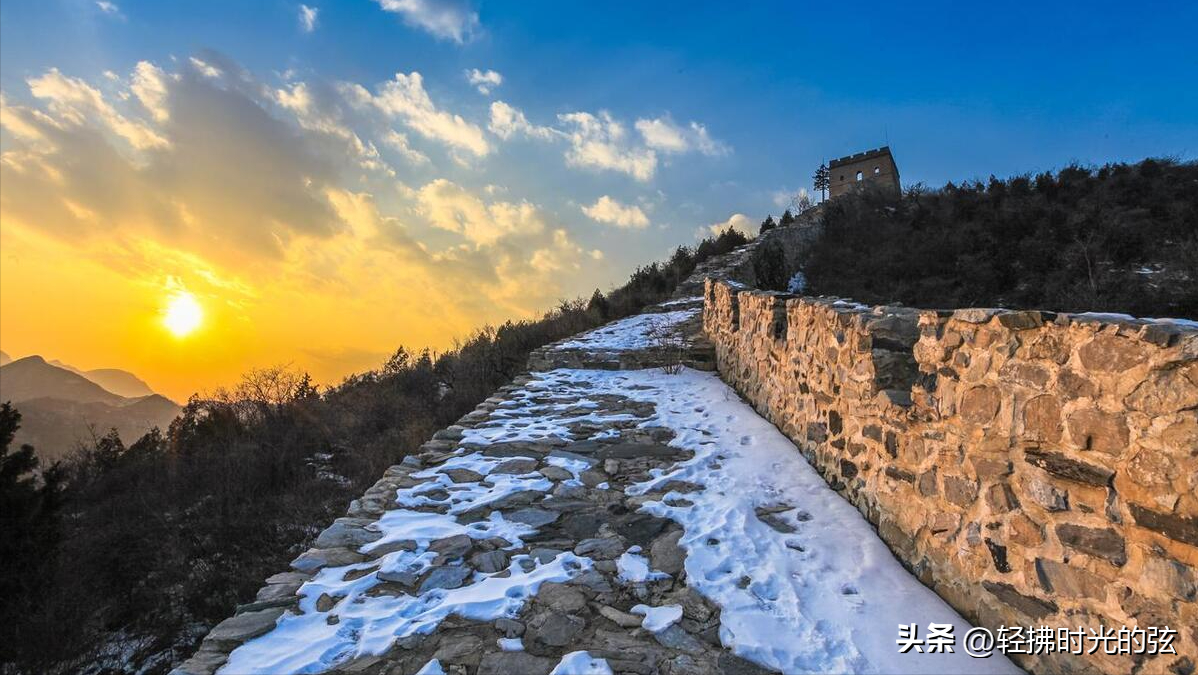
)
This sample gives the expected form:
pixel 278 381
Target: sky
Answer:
pixel 325 181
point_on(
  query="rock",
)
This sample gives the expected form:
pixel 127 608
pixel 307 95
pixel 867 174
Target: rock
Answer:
pixel 1175 527
pixel 665 554
pixel 347 532
pixel 533 517
pixel 241 628
pixel 622 619
pixel 592 477
pixel 980 404
pixel 676 637
pixel 731 664
pixel 402 577
pixel 1103 543
pixel 490 562
pixel 1069 581
pixel 694 607
pixel 446 576
pixel 960 491
pixel 556 473
pixel 452 548
pixel 204 662
pixel 315 558
pixel 325 602
pixel 514 663
pixel 517 466
pixel 639 528
pixel 593 581
pixel 458 648
pixel 1046 495
pixel 601 548
pixel 463 475
pixel 545 555
pixel 561 598
pixel 510 628
pixel 1093 429
pixel 1032 607
pixel 554 629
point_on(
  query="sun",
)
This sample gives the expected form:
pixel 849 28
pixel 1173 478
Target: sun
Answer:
pixel 182 314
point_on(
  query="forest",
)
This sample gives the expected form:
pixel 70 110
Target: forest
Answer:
pixel 1117 238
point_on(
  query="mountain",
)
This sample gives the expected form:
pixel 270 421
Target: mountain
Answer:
pixel 117 381
pixel 32 378
pixel 61 408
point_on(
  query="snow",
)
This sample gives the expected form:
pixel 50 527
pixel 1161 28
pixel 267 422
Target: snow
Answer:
pixel 658 619
pixel 581 663
pixel 634 332
pixel 833 606
pixel 431 668
pixel 369 624
pixel 634 568
pixel 510 644
pixel 681 301
pixel 797 283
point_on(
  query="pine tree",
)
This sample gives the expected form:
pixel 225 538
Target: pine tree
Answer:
pixel 822 180
pixel 787 219
pixel 767 224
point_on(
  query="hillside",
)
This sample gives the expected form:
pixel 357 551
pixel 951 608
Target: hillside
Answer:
pixel 121 382
pixel 32 377
pixel 1118 238
pixel 63 409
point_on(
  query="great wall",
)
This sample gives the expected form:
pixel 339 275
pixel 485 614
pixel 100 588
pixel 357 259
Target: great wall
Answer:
pixel 891 465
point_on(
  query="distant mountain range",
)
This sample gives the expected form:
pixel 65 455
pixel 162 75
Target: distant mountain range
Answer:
pixel 61 405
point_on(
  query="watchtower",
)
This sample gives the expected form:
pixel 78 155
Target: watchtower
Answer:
pixel 872 167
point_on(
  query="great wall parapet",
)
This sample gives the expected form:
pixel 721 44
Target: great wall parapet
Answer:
pixel 1033 468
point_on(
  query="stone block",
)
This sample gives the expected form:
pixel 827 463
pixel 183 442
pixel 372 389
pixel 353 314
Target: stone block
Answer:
pixel 1102 543
pixel 1061 466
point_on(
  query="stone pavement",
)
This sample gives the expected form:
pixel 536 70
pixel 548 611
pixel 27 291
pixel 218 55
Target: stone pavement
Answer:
pixel 508 530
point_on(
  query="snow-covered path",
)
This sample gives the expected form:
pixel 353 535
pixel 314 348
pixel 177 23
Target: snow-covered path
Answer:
pixel 826 597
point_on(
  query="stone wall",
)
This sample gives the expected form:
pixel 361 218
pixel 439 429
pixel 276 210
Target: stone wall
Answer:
pixel 1031 468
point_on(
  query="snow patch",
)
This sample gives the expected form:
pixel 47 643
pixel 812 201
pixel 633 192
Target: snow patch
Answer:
pixel 658 619
pixel 634 568
pixel 634 332
pixel 581 663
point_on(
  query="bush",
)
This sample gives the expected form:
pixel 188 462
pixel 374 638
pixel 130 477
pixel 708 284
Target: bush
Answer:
pixel 1120 238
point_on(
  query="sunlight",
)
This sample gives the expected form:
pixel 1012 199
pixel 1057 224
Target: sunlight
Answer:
pixel 182 314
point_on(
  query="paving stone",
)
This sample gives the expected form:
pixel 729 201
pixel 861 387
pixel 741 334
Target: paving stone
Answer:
pixel 514 663
pixel 533 517
pixel 446 576
pixel 490 562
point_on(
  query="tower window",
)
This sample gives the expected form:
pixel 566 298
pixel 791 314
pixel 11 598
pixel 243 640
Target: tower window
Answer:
pixel 877 170
pixel 859 175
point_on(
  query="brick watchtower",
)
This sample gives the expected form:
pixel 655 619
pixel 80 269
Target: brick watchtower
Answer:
pixel 872 167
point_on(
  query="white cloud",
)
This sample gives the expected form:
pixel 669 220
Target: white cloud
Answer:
pixel 608 210
pixel 405 99
pixel 737 221
pixel 663 134
pixel 204 68
pixel 449 206
pixel 307 18
pixel 484 80
pixel 399 143
pixel 445 19
pixel 507 121
pixel 107 7
pixel 76 101
pixel 601 143
pixel 149 86
pixel 325 119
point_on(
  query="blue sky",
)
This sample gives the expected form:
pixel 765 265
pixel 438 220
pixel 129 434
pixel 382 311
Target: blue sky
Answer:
pixel 611 132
